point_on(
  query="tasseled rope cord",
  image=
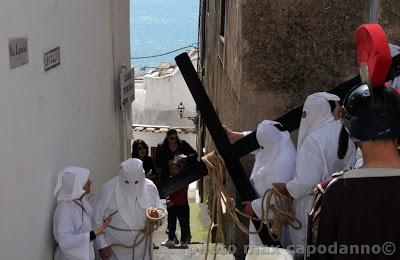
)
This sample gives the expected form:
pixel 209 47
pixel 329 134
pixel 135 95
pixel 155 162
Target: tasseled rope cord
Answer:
pixel 272 201
pixel 83 209
pixel 146 233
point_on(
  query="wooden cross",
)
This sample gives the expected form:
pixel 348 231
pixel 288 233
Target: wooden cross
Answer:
pixel 231 153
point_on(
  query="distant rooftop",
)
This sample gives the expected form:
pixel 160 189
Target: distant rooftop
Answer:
pixel 167 68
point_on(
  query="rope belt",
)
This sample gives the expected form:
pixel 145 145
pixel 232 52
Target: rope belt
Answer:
pixel 146 234
pixel 125 230
pixel 274 204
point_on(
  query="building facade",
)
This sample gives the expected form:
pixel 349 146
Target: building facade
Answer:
pixel 50 119
pixel 260 59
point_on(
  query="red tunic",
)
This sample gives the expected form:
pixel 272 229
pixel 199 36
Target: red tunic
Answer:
pixel 179 198
pixel 361 212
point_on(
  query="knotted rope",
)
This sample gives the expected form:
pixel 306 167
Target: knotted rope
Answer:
pixel 276 207
pixel 152 223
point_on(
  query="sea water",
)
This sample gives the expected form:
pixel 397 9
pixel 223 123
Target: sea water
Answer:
pixel 160 26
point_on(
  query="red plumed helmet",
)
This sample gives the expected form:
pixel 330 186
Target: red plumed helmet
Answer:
pixel 373 49
pixel 372 112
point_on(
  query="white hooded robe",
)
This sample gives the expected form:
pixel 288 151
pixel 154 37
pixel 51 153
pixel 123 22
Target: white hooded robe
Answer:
pixel 316 160
pixel 71 222
pixel 128 195
pixel 275 162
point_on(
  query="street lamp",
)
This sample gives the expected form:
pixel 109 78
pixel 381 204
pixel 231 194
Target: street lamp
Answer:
pixel 181 110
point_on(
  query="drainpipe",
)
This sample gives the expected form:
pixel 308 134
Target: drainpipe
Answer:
pixel 373 11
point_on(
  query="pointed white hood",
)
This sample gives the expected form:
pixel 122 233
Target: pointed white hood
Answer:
pixel 275 162
pixel 276 146
pixel 70 183
pixel 130 190
pixel 270 139
pixel 316 114
pixel 131 178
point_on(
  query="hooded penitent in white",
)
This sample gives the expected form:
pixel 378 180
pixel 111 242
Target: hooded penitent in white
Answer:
pixel 317 159
pixel 72 218
pixel 316 114
pixel 275 162
pixel 126 197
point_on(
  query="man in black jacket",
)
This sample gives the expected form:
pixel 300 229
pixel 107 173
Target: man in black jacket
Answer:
pixel 171 148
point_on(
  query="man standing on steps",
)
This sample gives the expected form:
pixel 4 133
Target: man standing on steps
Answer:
pixel 167 151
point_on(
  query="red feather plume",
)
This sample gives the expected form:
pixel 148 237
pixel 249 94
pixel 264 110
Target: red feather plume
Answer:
pixel 373 49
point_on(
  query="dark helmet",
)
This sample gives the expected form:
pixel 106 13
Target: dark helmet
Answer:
pixel 373 116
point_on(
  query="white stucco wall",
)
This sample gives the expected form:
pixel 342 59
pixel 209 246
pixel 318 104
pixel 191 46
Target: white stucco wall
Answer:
pixel 49 120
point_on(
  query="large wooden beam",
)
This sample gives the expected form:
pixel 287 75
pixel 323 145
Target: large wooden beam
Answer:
pixel 235 169
pixel 214 126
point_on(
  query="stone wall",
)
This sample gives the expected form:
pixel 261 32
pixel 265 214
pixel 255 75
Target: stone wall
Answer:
pixel 67 116
pixel 389 18
pixel 277 53
pixel 294 48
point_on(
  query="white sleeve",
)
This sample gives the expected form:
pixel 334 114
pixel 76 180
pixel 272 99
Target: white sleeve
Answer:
pixel 101 242
pixel 257 207
pixel 309 169
pixel 98 216
pixel 66 224
pixel 157 200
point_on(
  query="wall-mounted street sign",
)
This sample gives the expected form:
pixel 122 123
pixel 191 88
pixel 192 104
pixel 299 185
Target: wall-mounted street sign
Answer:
pixel 127 79
pixel 18 51
pixel 51 59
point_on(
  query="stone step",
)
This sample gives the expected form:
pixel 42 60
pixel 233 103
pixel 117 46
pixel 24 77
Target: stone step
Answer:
pixel 197 251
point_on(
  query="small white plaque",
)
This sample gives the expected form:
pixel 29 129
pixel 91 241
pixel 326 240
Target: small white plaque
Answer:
pixel 18 51
pixel 51 59
pixel 127 79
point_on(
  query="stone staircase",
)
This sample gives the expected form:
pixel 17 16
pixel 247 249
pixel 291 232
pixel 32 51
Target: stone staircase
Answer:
pixel 199 222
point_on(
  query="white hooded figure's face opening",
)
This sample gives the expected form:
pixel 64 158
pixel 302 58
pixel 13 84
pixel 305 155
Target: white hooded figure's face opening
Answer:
pixel 132 178
pixel 268 136
pixel 129 192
